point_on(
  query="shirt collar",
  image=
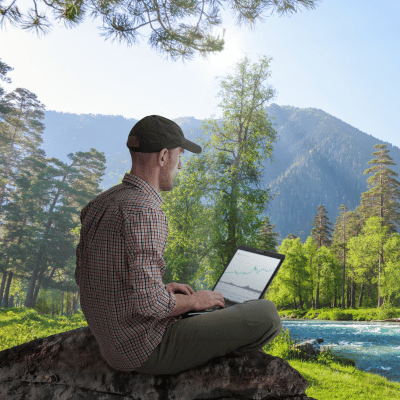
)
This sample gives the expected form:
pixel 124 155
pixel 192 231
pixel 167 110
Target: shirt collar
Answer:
pixel 142 184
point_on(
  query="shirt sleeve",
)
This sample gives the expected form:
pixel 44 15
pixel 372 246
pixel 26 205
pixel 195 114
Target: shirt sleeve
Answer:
pixel 145 236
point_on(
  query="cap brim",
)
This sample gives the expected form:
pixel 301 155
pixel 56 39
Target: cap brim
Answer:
pixel 193 147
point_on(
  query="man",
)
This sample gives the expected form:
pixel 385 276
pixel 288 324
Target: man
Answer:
pixel 135 318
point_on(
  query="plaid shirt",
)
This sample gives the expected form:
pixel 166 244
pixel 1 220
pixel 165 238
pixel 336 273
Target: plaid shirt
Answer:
pixel 119 270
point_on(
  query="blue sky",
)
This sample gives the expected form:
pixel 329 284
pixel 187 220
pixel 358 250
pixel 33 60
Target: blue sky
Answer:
pixel 343 57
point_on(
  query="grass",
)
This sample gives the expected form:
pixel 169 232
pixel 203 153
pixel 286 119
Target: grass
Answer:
pixel 18 325
pixel 329 376
pixel 349 314
pixel 337 381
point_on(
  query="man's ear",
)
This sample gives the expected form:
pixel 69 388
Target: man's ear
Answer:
pixel 163 157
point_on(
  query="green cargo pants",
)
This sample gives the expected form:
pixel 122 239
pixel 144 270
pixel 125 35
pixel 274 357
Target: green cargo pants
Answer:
pixel 193 341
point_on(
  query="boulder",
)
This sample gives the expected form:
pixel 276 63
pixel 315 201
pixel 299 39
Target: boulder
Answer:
pixel 69 366
pixel 309 348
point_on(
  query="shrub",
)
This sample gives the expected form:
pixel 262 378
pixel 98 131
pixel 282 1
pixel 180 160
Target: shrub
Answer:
pixel 324 315
pixel 31 314
pixel 281 346
pixel 42 307
pixel 387 311
pixel 340 315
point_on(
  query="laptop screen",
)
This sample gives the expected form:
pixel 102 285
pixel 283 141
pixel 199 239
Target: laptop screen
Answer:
pixel 248 275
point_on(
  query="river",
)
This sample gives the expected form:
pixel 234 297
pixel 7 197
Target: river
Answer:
pixel 374 346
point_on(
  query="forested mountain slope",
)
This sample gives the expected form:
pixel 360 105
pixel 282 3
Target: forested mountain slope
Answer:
pixel 318 159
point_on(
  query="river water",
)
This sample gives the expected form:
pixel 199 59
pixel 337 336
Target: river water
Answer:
pixel 374 346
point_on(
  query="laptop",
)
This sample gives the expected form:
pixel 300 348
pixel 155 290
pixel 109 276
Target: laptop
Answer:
pixel 246 277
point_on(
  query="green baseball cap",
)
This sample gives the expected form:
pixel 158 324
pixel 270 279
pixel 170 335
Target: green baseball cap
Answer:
pixel 155 133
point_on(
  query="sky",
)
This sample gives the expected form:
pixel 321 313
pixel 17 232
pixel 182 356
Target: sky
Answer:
pixel 343 58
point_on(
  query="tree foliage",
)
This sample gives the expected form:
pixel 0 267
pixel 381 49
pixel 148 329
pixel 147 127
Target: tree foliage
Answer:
pixel 322 231
pixel 178 28
pixel 382 198
pixel 40 201
pixel 217 190
pixel 268 236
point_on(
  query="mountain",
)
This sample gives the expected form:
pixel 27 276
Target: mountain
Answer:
pixel 318 159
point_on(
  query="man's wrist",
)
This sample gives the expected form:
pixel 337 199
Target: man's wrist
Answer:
pixel 183 304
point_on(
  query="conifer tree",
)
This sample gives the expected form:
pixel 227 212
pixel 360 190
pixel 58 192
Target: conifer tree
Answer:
pixel 268 236
pixel 321 234
pixel 4 69
pixel 322 231
pixel 21 136
pixel 383 197
pixel 177 28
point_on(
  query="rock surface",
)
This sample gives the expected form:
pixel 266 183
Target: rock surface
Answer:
pixel 309 348
pixel 69 366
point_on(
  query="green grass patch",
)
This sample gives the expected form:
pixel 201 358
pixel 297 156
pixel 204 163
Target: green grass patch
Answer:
pixel 349 314
pixel 292 313
pixel 19 325
pixel 337 381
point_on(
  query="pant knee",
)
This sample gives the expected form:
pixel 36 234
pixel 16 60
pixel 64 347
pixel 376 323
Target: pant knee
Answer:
pixel 271 316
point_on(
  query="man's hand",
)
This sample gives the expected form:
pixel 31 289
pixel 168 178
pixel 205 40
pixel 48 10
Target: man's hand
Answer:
pixel 187 299
pixel 207 298
pixel 175 287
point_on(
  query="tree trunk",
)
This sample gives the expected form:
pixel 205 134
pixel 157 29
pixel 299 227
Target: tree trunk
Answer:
pixel 7 292
pixel 380 300
pixel 361 295
pixel 335 298
pixel 62 304
pixel 74 303
pixel 348 293
pixel 344 278
pixel 3 285
pixel 39 283
pixel 353 294
pixel 300 302
pixel 30 298
pixel 317 290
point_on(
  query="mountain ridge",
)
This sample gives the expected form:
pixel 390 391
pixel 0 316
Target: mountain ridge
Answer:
pixel 318 158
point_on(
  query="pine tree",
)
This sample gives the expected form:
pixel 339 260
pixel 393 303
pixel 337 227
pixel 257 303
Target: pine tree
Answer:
pixel 62 199
pixel 383 197
pixel 268 237
pixel 177 28
pixel 321 234
pixel 21 136
pixel 322 231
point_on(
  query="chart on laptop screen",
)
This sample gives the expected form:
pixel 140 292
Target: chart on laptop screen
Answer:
pixel 246 276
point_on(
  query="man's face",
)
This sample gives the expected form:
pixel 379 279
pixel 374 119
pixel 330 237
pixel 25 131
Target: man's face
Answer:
pixel 172 168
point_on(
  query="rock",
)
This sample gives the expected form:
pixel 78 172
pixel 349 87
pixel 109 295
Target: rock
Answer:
pixel 69 366
pixel 309 348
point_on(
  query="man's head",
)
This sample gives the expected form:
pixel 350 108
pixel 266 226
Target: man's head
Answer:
pixel 156 144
